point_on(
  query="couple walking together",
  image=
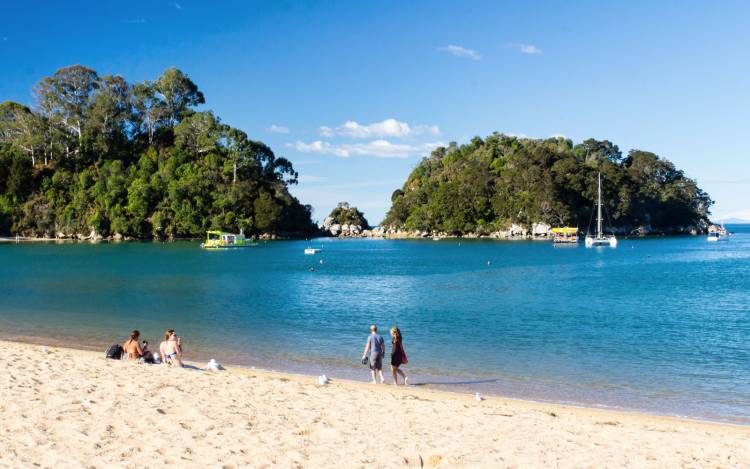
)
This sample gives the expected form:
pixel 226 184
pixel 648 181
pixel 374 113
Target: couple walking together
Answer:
pixel 375 351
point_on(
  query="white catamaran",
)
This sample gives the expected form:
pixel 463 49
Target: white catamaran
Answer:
pixel 600 239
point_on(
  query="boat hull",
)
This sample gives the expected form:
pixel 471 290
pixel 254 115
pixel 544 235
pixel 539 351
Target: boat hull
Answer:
pixel 233 246
pixel 610 241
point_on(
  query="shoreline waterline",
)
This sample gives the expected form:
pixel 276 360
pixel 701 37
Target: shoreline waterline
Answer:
pixel 429 387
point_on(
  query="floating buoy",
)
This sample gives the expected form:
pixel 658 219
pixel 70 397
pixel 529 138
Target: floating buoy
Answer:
pixel 321 261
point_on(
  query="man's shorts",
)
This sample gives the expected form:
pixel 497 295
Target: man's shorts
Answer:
pixel 376 363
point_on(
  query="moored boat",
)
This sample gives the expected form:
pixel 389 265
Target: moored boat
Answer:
pixel 565 235
pixel 717 233
pixel 599 238
pixel 221 240
pixel 311 251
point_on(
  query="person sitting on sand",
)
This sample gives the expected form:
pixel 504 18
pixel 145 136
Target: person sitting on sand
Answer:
pixel 171 348
pixel 132 347
pixel 398 356
pixel 163 347
pixel 375 347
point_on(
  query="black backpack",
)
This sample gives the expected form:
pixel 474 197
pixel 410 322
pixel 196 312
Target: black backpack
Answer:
pixel 114 352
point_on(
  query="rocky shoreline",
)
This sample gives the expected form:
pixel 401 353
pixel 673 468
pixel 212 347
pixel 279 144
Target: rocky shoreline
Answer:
pixel 538 231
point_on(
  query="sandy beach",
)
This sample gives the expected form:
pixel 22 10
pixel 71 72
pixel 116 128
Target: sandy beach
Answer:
pixel 70 408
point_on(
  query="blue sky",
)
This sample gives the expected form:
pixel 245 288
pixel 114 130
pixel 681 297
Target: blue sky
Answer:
pixel 355 93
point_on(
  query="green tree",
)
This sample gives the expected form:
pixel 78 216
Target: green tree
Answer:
pixel 178 94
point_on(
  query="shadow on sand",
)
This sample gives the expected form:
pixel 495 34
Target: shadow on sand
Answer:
pixel 448 383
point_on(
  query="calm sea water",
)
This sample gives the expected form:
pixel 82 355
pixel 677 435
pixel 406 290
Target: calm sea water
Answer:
pixel 661 325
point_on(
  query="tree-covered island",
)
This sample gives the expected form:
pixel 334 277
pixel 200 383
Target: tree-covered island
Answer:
pixel 96 155
pixel 490 184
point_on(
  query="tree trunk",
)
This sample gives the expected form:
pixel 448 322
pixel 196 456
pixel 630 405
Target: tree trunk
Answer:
pixel 234 175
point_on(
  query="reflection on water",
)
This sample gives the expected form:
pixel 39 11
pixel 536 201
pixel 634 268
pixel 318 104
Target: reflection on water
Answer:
pixel 657 324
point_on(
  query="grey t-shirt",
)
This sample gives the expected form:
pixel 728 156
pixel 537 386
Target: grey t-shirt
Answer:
pixel 377 346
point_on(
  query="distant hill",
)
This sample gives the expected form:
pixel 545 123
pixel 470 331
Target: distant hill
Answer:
pixel 735 221
pixel 489 184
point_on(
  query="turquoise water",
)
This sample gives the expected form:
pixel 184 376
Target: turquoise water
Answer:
pixel 661 325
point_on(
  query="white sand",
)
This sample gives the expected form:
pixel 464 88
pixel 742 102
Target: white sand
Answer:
pixel 76 409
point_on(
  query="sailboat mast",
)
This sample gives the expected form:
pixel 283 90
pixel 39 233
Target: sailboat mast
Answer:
pixel 599 209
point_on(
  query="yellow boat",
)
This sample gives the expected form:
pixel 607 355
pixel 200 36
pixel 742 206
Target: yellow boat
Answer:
pixel 222 240
pixel 565 234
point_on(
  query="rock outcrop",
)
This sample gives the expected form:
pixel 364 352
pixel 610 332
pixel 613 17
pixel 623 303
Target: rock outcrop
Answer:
pixel 345 221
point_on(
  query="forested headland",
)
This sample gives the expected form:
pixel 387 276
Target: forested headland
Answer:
pixel 98 155
pixel 489 184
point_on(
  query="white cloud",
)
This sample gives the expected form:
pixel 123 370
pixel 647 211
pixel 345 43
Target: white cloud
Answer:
pixel 386 128
pixel 178 6
pixel 523 48
pixel 460 51
pixel 278 129
pixel 378 148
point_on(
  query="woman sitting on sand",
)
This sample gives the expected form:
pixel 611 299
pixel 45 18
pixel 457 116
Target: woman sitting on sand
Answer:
pixel 132 347
pixel 171 348
pixel 398 356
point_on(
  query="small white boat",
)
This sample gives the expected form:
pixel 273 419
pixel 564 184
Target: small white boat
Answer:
pixel 716 234
pixel 600 239
pixel 311 251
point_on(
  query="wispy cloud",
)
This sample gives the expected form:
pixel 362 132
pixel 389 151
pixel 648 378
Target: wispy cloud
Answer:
pixel 460 51
pixel 377 148
pixel 278 129
pixel 177 6
pixel 5 38
pixel 523 48
pixel 135 21
pixel 306 178
pixel 305 162
pixel 387 128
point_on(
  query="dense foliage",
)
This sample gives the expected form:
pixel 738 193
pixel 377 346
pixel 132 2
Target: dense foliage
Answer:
pixel 98 153
pixel 488 184
pixel 343 214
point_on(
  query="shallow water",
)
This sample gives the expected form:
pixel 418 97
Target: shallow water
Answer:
pixel 659 325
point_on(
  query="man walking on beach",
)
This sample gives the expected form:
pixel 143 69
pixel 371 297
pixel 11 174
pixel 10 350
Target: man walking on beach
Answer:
pixel 375 347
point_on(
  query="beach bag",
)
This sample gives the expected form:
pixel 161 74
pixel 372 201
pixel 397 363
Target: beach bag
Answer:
pixel 114 352
pixel 404 360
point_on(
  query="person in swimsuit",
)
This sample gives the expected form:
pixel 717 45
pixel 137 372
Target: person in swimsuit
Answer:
pixel 375 347
pixel 171 348
pixel 163 347
pixel 398 356
pixel 132 347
